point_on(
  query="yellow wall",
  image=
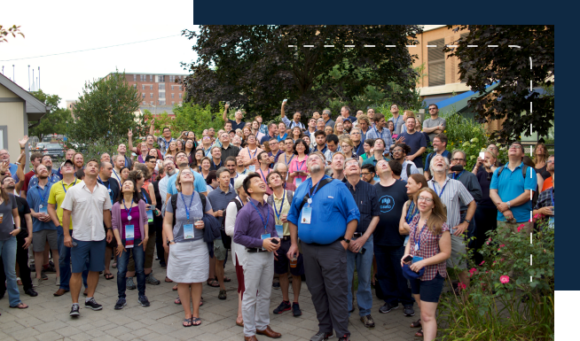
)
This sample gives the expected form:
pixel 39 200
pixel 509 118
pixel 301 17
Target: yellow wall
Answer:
pixel 11 115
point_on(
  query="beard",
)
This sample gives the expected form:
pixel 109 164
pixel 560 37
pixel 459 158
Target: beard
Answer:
pixel 171 172
pixel 183 165
pixel 10 188
pixel 315 169
pixel 42 177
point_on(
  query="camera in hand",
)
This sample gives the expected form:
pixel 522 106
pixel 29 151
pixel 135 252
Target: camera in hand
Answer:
pixel 274 241
pixel 408 259
pixel 457 168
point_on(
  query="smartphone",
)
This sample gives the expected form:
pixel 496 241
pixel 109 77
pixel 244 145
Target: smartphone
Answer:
pixel 408 259
pixel 228 103
pixel 362 251
pixel 274 241
pixel 285 100
pixel 482 155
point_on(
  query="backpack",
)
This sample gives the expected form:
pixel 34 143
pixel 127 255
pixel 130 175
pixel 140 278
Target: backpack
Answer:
pixel 227 240
pixel 408 170
pixel 174 205
pixel 524 172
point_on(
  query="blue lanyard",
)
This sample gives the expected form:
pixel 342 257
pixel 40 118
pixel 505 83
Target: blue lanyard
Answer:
pixel 302 165
pixel 286 161
pixel 109 186
pixel 261 217
pixel 316 188
pixel 128 210
pixel 220 164
pixel 553 200
pixel 250 154
pixel 65 188
pixel 43 197
pixel 126 163
pixel 186 206
pixel 418 242
pixel 458 175
pixel 281 206
pixel 263 177
pixel 144 196
pixel 442 189
pixel 411 211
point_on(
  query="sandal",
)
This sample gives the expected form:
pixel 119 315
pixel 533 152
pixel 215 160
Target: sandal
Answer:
pixel 195 320
pixel 174 288
pixel 20 305
pixel 213 283
pixel 167 280
pixel 416 324
pixel 188 322
pixel 177 301
pixel 225 279
pixel 109 276
pixel 419 333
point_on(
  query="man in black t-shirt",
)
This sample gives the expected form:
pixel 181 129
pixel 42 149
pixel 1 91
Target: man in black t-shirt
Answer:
pixel 23 240
pixel 388 242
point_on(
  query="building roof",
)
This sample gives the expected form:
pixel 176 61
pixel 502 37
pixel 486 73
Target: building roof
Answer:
pixel 460 102
pixel 35 108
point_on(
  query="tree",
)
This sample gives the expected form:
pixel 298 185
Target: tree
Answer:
pixel 14 30
pixel 511 67
pixel 196 118
pixel 254 68
pixel 106 109
pixel 56 120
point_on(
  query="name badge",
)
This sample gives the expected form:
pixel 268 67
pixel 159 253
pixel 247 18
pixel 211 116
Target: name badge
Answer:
pixel 280 230
pixel 188 231
pixel 298 182
pixel 129 236
pixel 551 222
pixel 150 216
pixel 416 247
pixel 417 258
pixel 265 236
pixel 252 168
pixel 43 209
pixel 306 215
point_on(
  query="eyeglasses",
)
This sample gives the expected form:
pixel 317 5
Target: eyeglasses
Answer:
pixel 515 146
pixel 457 160
pixel 424 199
pixel 365 174
pixel 550 161
pixel 354 133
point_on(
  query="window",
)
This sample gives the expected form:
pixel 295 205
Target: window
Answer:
pixel 134 78
pixel 161 79
pixel 151 86
pixel 143 95
pixel 436 63
pixel 162 94
pixel 135 86
pixel 172 88
pixel 142 87
pixel 151 95
pixel 152 103
pixel 172 103
pixel 161 86
pixel 181 87
pixel 142 78
pixel 171 79
pixel 161 102
pixel 180 95
pixel 172 95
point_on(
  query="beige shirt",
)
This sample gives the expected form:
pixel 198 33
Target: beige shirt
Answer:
pixel 87 211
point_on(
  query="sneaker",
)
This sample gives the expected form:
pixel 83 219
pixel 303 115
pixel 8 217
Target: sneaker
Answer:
pixel 408 310
pixel 284 306
pixel 92 304
pixel 50 267
pixel 152 280
pixel 58 281
pixel 387 307
pixel 296 310
pixel 43 275
pixel 130 284
pixel 144 301
pixel 320 336
pixel 222 295
pixel 345 337
pixel 35 282
pixel 121 303
pixel 74 311
pixel 368 321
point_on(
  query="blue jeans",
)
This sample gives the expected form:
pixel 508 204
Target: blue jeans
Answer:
pixel 64 263
pixel 390 275
pixel 8 254
pixel 364 264
pixel 139 258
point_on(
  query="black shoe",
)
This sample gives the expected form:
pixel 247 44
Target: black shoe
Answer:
pixel 345 337
pixel 296 310
pixel 387 307
pixel 144 301
pixel 121 303
pixel 31 292
pixel 92 304
pixel 408 310
pixel 74 311
pixel 284 306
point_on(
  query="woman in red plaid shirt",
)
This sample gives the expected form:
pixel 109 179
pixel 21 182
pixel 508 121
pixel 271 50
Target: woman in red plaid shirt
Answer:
pixel 430 246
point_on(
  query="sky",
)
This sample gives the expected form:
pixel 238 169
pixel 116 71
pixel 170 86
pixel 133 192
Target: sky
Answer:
pixel 66 26
pixel 63 26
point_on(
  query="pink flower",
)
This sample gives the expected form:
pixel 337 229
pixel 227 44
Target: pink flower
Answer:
pixel 481 262
pixel 504 279
pixel 472 271
pixel 501 260
pixel 520 227
pixel 461 286
pixel 502 245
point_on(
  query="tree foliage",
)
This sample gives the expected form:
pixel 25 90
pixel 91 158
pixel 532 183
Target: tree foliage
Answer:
pixel 56 120
pixel 511 67
pixel 254 68
pixel 106 108
pixel 14 30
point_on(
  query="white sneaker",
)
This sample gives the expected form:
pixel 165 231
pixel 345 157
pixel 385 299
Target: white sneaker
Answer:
pixel 58 281
pixel 35 282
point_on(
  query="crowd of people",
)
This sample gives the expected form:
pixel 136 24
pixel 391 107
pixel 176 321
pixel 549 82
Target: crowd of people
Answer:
pixel 285 202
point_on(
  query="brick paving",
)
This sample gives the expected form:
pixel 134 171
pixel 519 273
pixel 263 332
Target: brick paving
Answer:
pixel 48 318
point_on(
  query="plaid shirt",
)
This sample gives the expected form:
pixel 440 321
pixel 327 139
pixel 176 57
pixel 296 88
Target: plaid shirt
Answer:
pixel 544 199
pixel 163 144
pixel 429 248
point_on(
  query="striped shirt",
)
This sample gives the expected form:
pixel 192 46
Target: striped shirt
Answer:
pixel 373 133
pixel 453 192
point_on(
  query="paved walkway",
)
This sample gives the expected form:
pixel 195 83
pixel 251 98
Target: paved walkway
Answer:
pixel 48 318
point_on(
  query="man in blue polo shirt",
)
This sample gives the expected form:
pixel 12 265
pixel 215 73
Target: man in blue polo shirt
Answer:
pixel 511 190
pixel 325 224
pixel 43 229
pixel 198 182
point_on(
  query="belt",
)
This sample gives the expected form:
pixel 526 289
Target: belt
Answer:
pixel 357 234
pixel 285 238
pixel 255 249
pixel 316 244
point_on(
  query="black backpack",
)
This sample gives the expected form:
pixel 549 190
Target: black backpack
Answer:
pixel 174 204
pixel 227 240
pixel 524 172
pixel 408 170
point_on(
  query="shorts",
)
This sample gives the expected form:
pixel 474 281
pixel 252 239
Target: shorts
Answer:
pixel 283 263
pixel 219 250
pixel 428 291
pixel 93 251
pixel 457 250
pixel 41 237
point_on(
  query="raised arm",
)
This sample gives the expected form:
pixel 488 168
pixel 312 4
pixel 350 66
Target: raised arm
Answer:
pixel 20 172
pixel 225 115
pixel 130 141
pixel 152 127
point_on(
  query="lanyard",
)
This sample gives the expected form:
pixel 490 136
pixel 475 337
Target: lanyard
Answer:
pixel 418 241
pixel 442 189
pixel 264 177
pixel 397 121
pixel 144 196
pixel 411 211
pixel 286 161
pixel 126 162
pixel 553 200
pixel 128 210
pixel 42 197
pixel 187 207
pixel 220 164
pixel 250 154
pixel 108 185
pixel 275 209
pixel 458 175
pixel 301 164
pixel 315 190
pixel 69 186
pixel 117 175
pixel 261 217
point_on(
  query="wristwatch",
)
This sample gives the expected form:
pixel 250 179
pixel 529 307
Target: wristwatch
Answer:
pixel 467 221
pixel 170 241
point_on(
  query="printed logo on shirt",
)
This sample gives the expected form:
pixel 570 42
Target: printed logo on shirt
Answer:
pixel 386 203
